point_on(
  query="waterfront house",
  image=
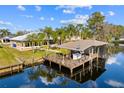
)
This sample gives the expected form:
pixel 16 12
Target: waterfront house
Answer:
pixel 81 48
pixel 82 52
pixel 21 43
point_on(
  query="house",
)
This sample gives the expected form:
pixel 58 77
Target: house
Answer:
pixel 5 40
pixel 82 52
pixel 81 48
pixel 22 43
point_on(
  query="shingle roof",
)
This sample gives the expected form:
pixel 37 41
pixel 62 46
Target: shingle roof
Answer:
pixel 81 45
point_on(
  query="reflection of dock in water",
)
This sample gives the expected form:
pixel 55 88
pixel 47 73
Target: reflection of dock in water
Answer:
pixel 81 75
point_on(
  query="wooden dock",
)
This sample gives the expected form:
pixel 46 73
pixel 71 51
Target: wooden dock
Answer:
pixel 70 63
pixel 11 69
pixel 15 68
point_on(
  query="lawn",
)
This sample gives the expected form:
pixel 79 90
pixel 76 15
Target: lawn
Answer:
pixel 8 56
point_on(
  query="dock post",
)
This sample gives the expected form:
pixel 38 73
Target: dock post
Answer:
pixel 59 67
pixel 80 76
pixel 50 63
pixel 91 67
pixel 83 70
pixel 91 62
pixel 71 72
pixel 75 78
pixel 97 57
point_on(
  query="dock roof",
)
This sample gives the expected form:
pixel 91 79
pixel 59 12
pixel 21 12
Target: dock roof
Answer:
pixel 81 45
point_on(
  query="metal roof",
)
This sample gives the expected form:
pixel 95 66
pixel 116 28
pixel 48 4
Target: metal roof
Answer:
pixel 23 37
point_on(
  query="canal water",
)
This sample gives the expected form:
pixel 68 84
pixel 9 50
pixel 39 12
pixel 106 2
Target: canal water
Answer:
pixel 109 75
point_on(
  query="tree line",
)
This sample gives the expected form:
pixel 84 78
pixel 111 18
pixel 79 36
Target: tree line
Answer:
pixel 95 28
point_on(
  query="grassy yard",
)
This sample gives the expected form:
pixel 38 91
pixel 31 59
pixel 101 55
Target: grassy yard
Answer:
pixel 8 55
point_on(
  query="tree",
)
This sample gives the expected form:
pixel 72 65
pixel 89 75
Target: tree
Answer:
pixel 4 32
pixel 40 38
pixel 61 35
pixel 95 23
pixel 86 34
pixel 19 33
pixel 71 31
pixel 79 29
pixel 64 52
pixel 48 32
pixel 117 31
pixel 32 38
pixel 55 37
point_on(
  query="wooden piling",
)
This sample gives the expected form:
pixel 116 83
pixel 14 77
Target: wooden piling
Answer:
pixel 97 59
pixel 59 67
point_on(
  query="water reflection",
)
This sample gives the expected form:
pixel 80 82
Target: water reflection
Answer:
pixel 52 76
pixel 109 74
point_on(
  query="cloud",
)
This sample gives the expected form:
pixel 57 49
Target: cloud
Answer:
pixel 69 9
pixel 112 60
pixel 102 13
pixel 54 80
pixel 22 8
pixel 111 13
pixel 52 19
pixel 79 19
pixel 38 8
pixel 117 59
pixel 114 83
pixel 5 23
pixel 41 18
pixel 28 16
pixel 3 27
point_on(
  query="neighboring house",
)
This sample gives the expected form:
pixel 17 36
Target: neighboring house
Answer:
pixel 21 43
pixel 5 40
pixel 74 38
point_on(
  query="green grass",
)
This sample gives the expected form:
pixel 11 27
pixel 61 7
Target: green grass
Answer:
pixel 6 58
pixel 8 55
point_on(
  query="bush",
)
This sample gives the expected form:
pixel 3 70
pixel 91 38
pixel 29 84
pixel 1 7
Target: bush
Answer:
pixel 64 51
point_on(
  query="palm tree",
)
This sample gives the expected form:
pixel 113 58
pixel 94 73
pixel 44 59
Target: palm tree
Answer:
pixel 4 32
pixel 32 38
pixel 40 38
pixel 55 36
pixel 86 34
pixel 48 32
pixel 61 34
pixel 71 31
pixel 79 29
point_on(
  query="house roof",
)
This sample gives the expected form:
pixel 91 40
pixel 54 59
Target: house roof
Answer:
pixel 6 37
pixel 23 37
pixel 81 45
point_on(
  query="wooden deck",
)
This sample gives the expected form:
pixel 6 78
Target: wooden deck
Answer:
pixel 69 63
pixel 11 69
pixel 15 68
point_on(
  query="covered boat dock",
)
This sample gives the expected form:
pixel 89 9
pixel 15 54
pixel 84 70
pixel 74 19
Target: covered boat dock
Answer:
pixel 82 52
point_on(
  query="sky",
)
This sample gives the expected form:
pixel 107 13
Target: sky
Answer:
pixel 33 17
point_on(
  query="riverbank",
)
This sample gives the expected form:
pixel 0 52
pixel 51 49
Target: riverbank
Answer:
pixel 11 58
